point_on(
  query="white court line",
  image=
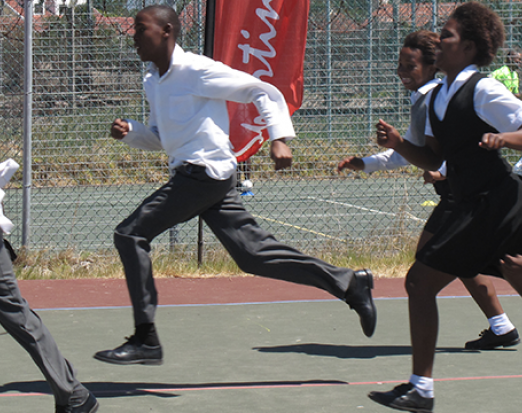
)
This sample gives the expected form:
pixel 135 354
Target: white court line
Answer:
pixel 393 214
pixel 300 228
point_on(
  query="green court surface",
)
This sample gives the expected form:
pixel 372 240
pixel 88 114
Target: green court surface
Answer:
pixel 296 211
pixel 288 357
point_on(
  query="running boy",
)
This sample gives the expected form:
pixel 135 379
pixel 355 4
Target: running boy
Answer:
pixel 27 328
pixel 189 120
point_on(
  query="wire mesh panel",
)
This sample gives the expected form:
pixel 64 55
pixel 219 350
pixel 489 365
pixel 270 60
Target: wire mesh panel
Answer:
pixel 86 73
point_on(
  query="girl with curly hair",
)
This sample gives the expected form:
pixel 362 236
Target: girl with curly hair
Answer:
pixel 469 118
pixel 416 69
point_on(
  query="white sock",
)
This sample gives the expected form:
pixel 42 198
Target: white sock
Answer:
pixel 500 324
pixel 424 385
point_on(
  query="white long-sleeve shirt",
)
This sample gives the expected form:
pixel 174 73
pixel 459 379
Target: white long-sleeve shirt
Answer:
pixel 493 102
pixel 390 159
pixel 7 170
pixel 188 112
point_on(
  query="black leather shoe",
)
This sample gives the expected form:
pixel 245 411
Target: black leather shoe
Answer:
pixel 404 397
pixel 132 352
pixel 359 298
pixel 489 340
pixel 89 405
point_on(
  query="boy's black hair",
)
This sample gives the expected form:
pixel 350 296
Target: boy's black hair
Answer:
pixel 426 42
pixel 165 14
pixel 482 26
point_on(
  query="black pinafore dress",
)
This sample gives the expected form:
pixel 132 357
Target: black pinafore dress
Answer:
pixel 486 222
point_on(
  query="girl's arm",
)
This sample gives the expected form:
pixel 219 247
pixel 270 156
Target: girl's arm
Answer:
pixel 425 157
pixel 510 140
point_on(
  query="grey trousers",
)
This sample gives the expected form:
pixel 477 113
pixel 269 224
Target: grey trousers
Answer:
pixel 28 330
pixel 189 193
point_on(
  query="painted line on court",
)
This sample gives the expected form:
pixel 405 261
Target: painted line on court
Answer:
pixel 115 307
pixel 376 211
pixel 255 386
pixel 286 224
pixel 320 300
pixel 471 378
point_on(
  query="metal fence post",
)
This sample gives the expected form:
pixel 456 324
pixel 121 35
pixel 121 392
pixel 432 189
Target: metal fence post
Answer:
pixel 208 51
pixel 369 65
pixel 28 117
pixel 435 17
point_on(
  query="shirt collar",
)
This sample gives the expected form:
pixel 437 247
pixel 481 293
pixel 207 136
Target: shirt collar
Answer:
pixel 461 78
pixel 424 89
pixel 177 58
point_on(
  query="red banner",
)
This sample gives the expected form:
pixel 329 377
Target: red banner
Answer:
pixel 267 39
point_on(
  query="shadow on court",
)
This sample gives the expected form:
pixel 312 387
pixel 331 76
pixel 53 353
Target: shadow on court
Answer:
pixel 350 352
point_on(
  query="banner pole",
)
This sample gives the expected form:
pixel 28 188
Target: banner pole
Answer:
pixel 208 50
pixel 210 18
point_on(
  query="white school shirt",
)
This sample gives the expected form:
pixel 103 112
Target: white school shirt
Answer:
pixel 390 159
pixel 188 112
pixel 7 170
pixel 493 102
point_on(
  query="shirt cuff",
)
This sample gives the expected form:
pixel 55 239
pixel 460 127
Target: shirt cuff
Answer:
pixel 133 126
pixel 371 164
pixel 136 129
pixel 7 170
pixel 5 224
pixel 443 169
pixel 280 131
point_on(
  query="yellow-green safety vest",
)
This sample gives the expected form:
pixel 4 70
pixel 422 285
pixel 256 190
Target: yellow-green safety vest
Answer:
pixel 508 77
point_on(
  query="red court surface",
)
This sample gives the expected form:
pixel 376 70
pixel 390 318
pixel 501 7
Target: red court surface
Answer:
pixel 182 291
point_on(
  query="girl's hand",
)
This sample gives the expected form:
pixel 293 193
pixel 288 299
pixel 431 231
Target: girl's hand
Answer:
pixel 511 265
pixel 352 162
pixel 387 135
pixel 492 141
pixel 430 177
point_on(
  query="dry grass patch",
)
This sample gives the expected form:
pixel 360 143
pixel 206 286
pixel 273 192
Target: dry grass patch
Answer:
pixel 71 264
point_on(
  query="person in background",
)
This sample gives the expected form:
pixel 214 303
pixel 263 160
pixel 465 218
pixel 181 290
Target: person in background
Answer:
pixel 508 74
pixel 28 330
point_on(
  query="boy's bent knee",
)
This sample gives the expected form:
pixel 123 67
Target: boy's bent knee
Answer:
pixel 248 266
pixel 125 242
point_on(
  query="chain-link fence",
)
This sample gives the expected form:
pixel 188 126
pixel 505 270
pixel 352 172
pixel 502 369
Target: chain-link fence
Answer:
pixel 86 73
